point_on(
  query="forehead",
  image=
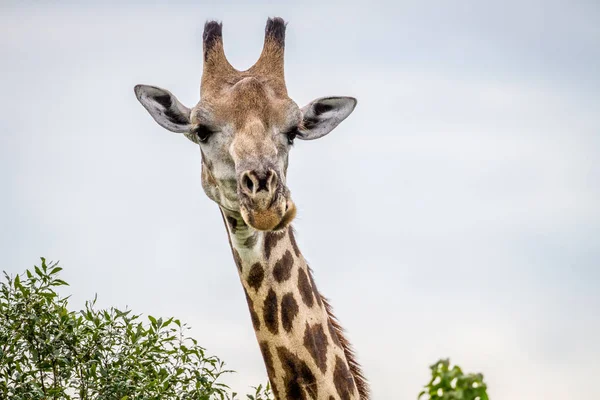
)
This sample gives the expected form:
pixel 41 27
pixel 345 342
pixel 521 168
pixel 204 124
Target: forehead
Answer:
pixel 246 98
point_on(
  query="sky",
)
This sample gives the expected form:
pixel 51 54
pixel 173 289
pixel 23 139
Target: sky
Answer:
pixel 455 213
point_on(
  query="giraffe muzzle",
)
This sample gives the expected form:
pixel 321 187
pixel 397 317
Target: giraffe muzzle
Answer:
pixel 265 203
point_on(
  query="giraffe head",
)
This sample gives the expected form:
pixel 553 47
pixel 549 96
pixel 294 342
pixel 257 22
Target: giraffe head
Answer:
pixel 245 125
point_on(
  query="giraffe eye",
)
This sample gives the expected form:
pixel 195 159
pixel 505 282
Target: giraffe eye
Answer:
pixel 291 135
pixel 203 133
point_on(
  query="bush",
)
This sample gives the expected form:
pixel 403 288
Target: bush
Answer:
pixel 50 352
pixel 449 383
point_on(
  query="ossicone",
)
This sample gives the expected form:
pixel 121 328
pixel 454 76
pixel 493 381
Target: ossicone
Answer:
pixel 275 31
pixel 213 34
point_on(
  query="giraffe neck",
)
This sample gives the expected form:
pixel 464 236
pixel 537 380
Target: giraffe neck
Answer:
pixel 302 345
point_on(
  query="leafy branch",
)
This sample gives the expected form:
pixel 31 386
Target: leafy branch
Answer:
pixel 450 383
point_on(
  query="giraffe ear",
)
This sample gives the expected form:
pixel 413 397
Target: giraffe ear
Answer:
pixel 164 108
pixel 320 116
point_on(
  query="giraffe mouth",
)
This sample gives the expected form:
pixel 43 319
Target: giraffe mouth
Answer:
pixel 278 215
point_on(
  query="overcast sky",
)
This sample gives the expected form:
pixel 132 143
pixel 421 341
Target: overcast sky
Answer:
pixel 456 213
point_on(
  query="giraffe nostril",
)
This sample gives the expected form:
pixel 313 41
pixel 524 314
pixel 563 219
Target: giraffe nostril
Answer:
pixel 248 183
pixel 253 182
pixel 271 180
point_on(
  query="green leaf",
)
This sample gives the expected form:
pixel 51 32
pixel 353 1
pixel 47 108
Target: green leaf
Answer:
pixel 55 270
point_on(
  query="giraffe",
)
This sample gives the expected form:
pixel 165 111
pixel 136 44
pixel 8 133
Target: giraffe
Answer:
pixel 245 125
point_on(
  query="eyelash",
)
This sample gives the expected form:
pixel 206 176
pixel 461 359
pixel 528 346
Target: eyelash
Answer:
pixel 203 133
pixel 291 135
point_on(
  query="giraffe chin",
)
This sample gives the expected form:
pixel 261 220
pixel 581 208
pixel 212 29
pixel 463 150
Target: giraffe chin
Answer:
pixel 272 219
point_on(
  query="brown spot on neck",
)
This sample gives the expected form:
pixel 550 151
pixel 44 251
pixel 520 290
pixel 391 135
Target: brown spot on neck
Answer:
pixel 289 311
pixel 253 315
pixel 270 316
pixel 271 239
pixel 316 343
pixel 256 276
pixel 300 381
pixel 305 288
pixel 342 379
pixel 282 271
pixel 268 359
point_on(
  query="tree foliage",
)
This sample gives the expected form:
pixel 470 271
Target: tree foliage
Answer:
pixel 450 383
pixel 50 352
